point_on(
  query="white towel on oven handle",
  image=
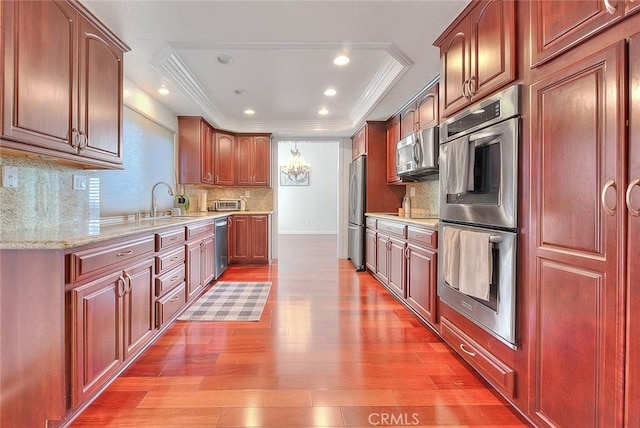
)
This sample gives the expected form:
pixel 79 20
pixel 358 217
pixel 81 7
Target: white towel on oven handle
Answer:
pixel 459 154
pixel 476 264
pixel 451 261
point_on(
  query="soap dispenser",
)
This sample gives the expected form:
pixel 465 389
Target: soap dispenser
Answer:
pixel 406 206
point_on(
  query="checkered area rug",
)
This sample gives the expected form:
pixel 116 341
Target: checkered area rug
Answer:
pixel 230 301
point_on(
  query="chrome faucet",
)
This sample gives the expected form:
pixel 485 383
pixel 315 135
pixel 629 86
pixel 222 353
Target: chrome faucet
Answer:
pixel 153 196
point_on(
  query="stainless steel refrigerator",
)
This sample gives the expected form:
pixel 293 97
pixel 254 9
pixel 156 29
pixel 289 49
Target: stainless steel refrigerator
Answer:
pixel 356 212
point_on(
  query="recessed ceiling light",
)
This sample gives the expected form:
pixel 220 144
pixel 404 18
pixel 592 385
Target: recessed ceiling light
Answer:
pixel 241 91
pixel 249 112
pixel 163 90
pixel 341 60
pixel 323 111
pixel 225 59
pixel 330 92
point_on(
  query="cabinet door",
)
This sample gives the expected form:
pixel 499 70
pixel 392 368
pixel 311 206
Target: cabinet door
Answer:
pixel 421 281
pixel 631 6
pixel 208 259
pixel 393 136
pixel 577 308
pixel 195 279
pixel 382 260
pixel 207 171
pixel 427 106
pixel 40 75
pixel 100 95
pixel 633 243
pixel 139 326
pixel 244 160
pixel 408 120
pixel 370 245
pixel 454 62
pixel 397 267
pixel 493 46
pixel 225 160
pixel 231 238
pixel 241 251
pixel 259 249
pixel 559 25
pixel 359 143
pixel 262 161
pixel 96 333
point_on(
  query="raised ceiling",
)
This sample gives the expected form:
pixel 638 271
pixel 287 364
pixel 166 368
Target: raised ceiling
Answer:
pixel 282 55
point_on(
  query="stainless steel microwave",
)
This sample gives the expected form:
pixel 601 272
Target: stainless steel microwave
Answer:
pixel 417 154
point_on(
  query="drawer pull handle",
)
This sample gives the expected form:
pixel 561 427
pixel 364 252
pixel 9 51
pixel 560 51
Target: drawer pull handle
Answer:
pixel 124 253
pixel 419 236
pixel 173 278
pixel 466 351
pixel 129 282
pixel 174 238
pixel 174 298
pixel 173 259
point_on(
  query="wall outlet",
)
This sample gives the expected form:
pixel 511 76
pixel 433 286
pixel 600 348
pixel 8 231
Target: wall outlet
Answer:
pixel 412 191
pixel 9 176
pixel 247 193
pixel 79 182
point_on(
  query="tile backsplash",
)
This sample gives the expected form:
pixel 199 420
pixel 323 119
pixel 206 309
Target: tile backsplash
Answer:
pixel 260 198
pixel 426 203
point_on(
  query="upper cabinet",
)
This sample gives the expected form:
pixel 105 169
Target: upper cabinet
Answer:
pixel 559 26
pixel 408 119
pixel 224 159
pixel 393 136
pixel 477 53
pixel 421 113
pixel 253 160
pixel 62 84
pixel 359 143
pixel 195 151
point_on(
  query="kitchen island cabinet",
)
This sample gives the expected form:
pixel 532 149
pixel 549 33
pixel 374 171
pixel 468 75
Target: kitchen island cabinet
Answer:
pixel 62 86
pixel 477 54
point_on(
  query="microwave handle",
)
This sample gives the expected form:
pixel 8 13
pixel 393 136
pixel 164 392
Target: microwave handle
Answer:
pixel 417 153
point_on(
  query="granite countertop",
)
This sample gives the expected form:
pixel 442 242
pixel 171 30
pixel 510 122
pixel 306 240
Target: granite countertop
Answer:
pixel 94 231
pixel 428 222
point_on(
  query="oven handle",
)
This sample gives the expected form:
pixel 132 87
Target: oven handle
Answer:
pixel 478 139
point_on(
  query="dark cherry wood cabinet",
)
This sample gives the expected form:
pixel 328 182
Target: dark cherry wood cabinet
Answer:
pixel 253 160
pixel 359 143
pixel 371 246
pixel 62 84
pixel 224 159
pixel 200 258
pixel 428 108
pixel 112 320
pixel 382 258
pixel 249 238
pixel 393 136
pixel 195 151
pixel 632 196
pixel 408 120
pixel 397 266
pixel 577 130
pixel 421 271
pixel 477 54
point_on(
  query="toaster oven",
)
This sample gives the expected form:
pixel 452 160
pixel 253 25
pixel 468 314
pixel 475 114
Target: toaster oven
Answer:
pixel 228 205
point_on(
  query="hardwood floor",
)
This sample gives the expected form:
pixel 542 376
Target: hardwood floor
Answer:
pixel 332 349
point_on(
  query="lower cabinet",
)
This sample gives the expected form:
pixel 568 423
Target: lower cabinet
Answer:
pixel 404 259
pixel 200 260
pixel 112 319
pixel 249 238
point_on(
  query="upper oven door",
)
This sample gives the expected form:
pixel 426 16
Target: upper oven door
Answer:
pixel 478 181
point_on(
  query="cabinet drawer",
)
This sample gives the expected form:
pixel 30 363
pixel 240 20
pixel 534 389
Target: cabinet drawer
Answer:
pixel 168 306
pixel 371 223
pixel 168 260
pixel 199 229
pixel 392 228
pixel 499 374
pixel 420 236
pixel 169 280
pixel 169 238
pixel 84 263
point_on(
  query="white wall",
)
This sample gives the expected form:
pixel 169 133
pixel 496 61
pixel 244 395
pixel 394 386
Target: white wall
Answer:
pixel 311 209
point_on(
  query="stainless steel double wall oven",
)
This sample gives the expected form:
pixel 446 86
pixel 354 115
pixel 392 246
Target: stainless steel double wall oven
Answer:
pixel 478 193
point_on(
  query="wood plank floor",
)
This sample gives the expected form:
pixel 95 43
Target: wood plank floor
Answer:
pixel 332 349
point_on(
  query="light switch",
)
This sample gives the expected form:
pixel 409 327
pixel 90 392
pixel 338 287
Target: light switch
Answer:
pixel 247 193
pixel 9 176
pixel 79 182
pixel 412 191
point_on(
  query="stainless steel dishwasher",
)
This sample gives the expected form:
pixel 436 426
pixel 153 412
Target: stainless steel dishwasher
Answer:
pixel 221 255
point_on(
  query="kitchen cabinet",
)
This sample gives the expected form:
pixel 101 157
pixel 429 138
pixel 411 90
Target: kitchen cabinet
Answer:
pixel 112 320
pixel 195 151
pixel 397 282
pixel 477 54
pixel 393 136
pixel 382 258
pixel 371 246
pixel 632 196
pixel 579 237
pixel 421 271
pixel 559 26
pixel 253 160
pixel 249 238
pixel 200 258
pixel 170 284
pixel 408 120
pixel 421 113
pixel 62 84
pixel 359 143
pixel 390 247
pixel 224 159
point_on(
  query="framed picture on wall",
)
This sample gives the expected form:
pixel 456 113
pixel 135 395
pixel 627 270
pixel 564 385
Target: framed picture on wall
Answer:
pixel 292 179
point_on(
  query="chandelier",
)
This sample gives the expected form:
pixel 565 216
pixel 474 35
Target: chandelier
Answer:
pixel 296 170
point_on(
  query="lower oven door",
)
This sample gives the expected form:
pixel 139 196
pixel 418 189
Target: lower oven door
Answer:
pixel 497 314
